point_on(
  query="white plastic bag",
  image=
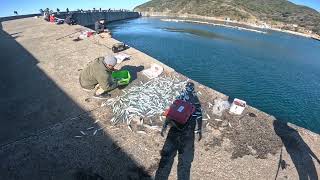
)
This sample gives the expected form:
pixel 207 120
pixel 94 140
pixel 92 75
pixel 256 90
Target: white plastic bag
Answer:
pixel 220 106
pixel 154 71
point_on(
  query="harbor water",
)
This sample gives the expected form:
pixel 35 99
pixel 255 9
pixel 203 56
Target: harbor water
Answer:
pixel 275 72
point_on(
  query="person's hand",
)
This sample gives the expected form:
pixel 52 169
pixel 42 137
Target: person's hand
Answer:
pixel 116 83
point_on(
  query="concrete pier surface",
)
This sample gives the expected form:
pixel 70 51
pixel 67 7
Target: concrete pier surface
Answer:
pixel 43 109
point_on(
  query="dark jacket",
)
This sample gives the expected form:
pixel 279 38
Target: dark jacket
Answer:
pixel 99 28
pixel 97 73
pixel 69 20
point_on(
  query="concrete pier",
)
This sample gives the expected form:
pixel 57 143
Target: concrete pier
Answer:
pixel 43 111
pixel 87 19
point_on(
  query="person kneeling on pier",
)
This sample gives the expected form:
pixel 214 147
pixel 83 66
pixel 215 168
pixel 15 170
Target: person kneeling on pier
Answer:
pixel 97 75
pixel 185 116
pixel 99 26
pixel 100 29
pixel 69 20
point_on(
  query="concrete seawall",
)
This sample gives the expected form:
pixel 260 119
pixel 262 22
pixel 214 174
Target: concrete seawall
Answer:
pixel 87 19
pixel 9 18
pixel 41 138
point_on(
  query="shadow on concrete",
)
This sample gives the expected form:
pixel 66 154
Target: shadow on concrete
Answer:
pixel 37 131
pixel 298 150
pixel 181 141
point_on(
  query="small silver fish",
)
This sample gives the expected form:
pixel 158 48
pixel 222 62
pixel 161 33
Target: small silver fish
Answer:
pixel 141 132
pixel 129 127
pixel 95 132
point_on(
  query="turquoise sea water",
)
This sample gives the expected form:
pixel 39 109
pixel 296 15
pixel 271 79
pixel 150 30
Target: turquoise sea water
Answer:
pixel 275 72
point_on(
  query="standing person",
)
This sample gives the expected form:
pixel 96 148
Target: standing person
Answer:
pixel 67 10
pixel 98 72
pixel 181 136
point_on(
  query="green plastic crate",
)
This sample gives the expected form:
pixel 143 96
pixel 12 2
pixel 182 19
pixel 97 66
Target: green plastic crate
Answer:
pixel 123 77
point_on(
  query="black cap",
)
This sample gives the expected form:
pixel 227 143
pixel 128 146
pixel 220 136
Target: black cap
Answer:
pixel 190 86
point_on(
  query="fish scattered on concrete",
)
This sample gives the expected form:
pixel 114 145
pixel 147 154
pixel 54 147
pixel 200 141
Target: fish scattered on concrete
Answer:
pixel 78 136
pixel 219 120
pixel 83 133
pixel 157 128
pixel 146 100
pixel 96 121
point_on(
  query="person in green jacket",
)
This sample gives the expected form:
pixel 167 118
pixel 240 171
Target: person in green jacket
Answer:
pixel 98 72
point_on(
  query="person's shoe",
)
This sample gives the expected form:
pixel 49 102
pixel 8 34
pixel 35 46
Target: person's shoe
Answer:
pixel 101 96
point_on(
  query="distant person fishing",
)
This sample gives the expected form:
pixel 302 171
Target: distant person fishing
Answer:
pixel 100 28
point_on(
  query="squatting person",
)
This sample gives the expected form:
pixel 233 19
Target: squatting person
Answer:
pixel 99 26
pixel 97 75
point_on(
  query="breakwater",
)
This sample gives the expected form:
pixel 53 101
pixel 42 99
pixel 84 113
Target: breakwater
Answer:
pixel 43 128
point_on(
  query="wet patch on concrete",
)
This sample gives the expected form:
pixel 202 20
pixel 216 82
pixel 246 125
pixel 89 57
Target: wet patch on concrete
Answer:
pixel 242 136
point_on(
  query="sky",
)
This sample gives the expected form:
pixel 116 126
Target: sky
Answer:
pixel 32 6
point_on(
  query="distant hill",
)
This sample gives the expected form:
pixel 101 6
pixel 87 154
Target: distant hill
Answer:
pixel 271 11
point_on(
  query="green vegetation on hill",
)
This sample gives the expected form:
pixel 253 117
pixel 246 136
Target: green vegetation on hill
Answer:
pixel 271 11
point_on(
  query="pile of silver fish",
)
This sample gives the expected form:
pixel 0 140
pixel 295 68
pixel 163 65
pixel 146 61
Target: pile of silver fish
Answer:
pixel 145 101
